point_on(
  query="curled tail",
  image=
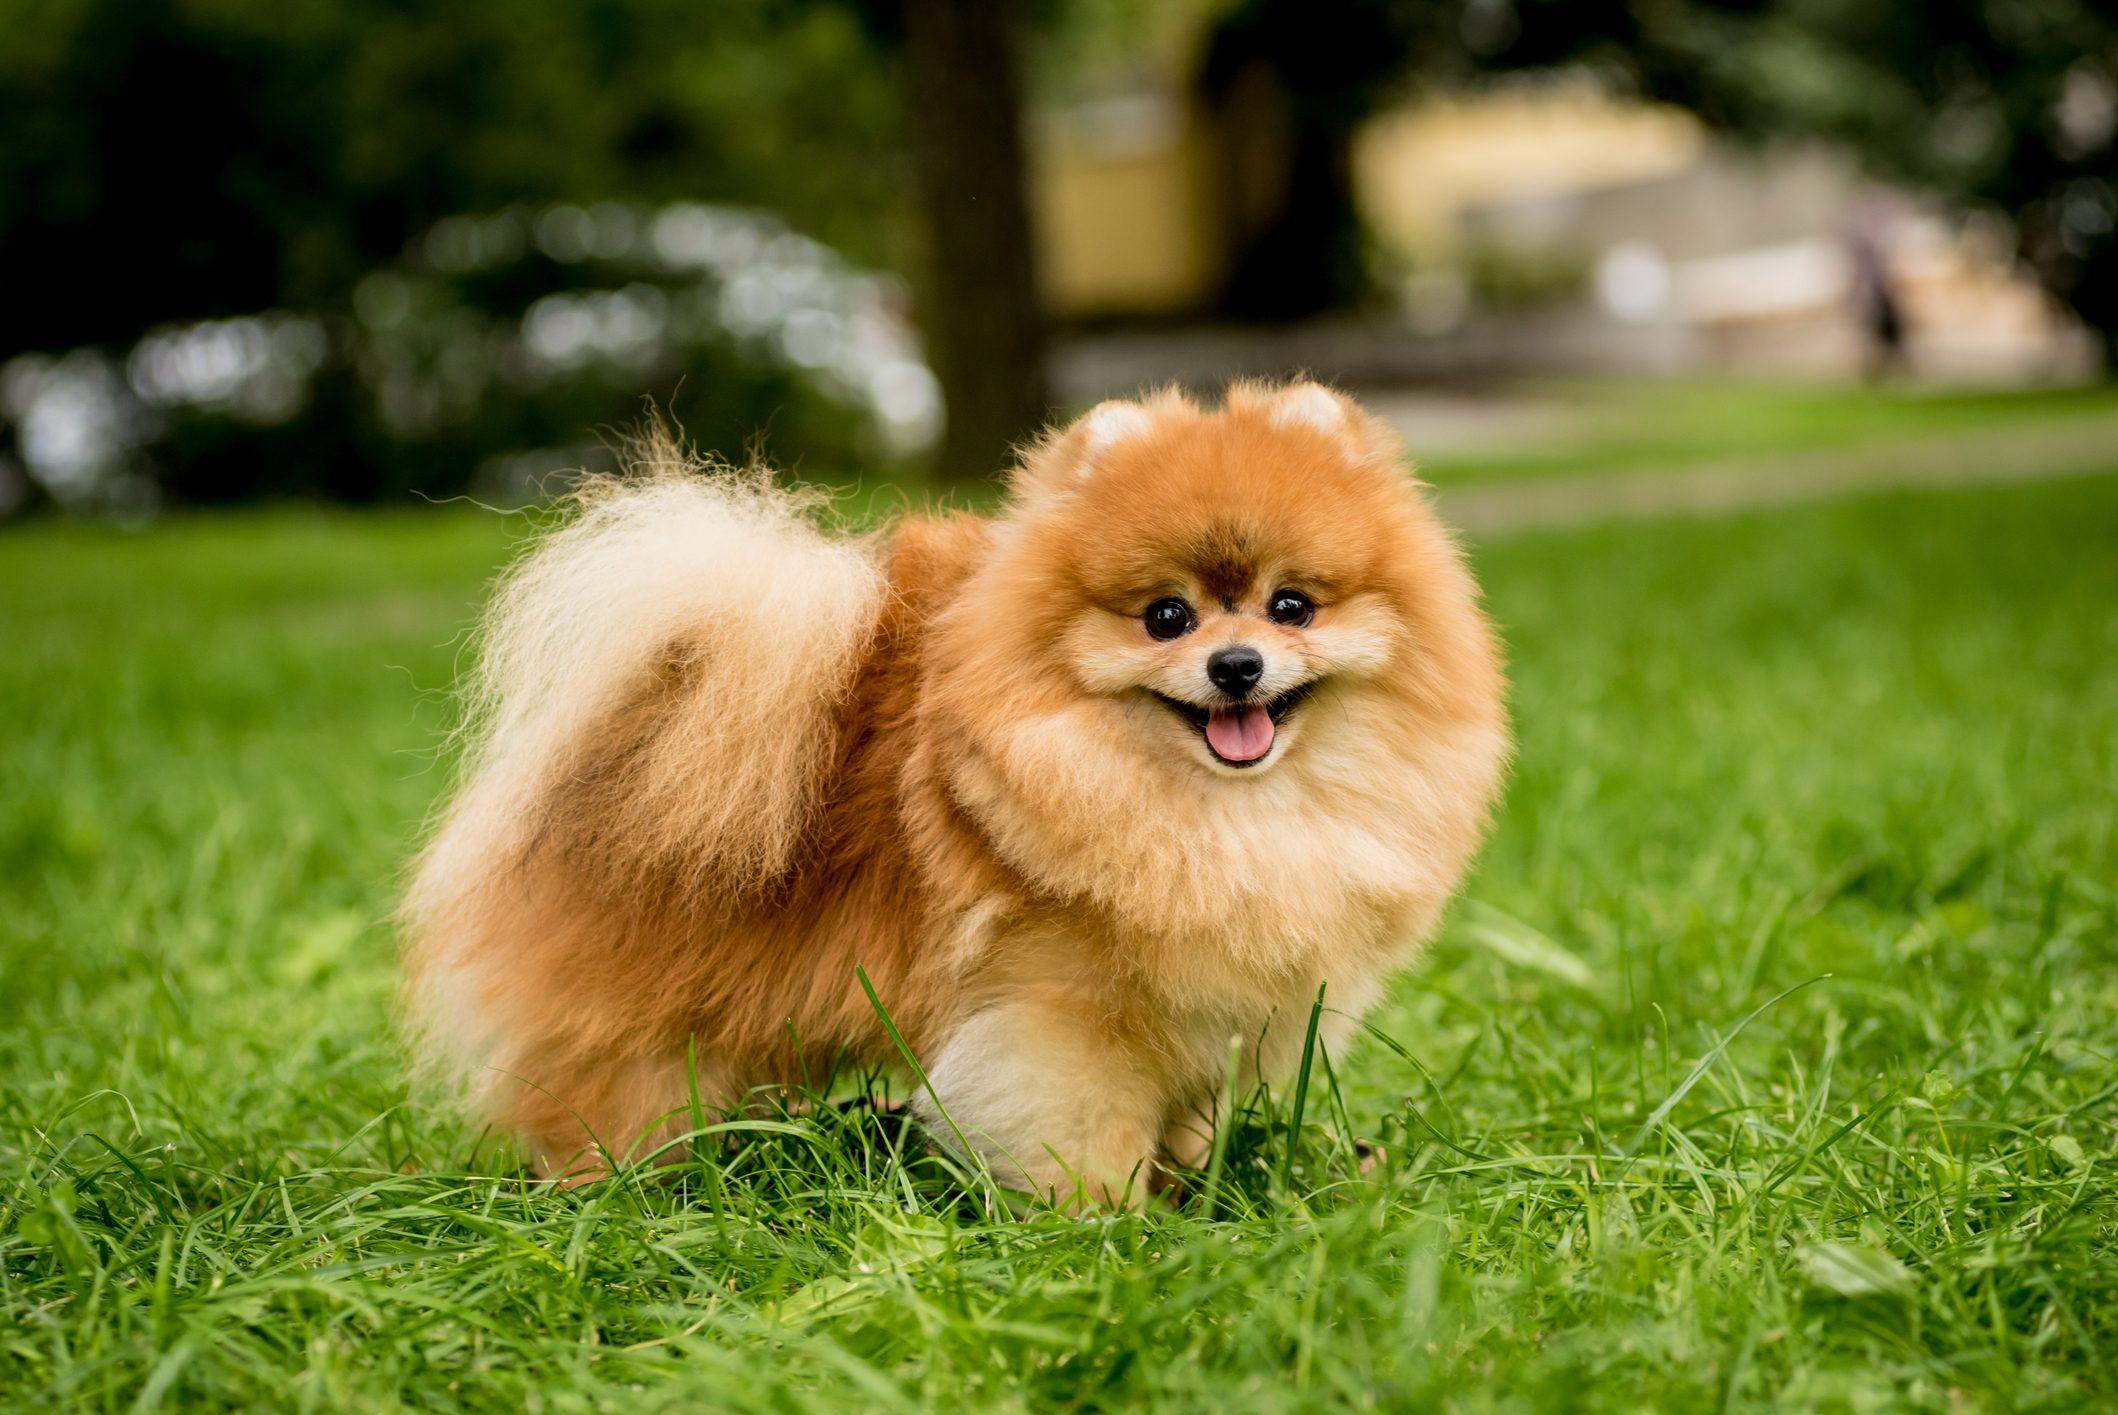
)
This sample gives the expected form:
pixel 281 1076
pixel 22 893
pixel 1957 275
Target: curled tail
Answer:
pixel 651 721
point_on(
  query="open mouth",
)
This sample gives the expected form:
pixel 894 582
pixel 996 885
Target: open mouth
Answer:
pixel 1239 734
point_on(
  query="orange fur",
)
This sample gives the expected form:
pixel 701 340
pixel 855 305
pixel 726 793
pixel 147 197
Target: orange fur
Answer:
pixel 720 758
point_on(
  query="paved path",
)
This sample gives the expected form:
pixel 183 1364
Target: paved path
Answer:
pixel 2076 445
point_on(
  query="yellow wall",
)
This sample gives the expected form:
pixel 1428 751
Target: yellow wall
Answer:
pixel 1126 207
pixel 1124 228
pixel 1417 168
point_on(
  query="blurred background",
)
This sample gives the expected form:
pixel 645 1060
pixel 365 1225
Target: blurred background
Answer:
pixel 364 251
pixel 1767 1063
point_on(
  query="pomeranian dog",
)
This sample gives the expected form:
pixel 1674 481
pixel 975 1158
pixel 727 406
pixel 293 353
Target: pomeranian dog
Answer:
pixel 1095 789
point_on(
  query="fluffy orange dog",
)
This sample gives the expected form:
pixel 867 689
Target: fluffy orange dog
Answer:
pixel 1207 715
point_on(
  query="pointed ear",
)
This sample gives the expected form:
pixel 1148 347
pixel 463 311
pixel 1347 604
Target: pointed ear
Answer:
pixel 1312 405
pixel 1109 423
pixel 1309 405
pixel 1069 456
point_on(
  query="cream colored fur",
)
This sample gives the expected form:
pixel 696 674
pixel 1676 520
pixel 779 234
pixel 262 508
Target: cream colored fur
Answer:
pixel 683 564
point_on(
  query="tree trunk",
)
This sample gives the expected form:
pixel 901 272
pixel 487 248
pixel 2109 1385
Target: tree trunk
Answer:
pixel 1297 254
pixel 985 329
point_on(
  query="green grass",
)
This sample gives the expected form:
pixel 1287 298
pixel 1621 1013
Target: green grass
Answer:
pixel 1865 752
pixel 1602 425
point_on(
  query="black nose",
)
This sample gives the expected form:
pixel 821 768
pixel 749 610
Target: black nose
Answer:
pixel 1235 671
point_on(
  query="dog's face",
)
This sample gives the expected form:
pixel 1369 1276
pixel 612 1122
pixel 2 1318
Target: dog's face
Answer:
pixel 1210 582
pixel 1222 669
pixel 1210 629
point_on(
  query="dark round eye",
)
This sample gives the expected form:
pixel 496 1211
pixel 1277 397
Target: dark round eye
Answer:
pixel 1168 618
pixel 1291 607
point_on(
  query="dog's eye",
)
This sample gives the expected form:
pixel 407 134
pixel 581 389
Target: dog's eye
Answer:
pixel 1291 607
pixel 1168 618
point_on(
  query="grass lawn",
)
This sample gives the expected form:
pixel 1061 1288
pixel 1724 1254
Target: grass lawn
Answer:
pixel 1843 774
pixel 1602 425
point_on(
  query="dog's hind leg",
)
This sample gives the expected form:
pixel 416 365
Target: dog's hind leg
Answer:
pixel 580 1121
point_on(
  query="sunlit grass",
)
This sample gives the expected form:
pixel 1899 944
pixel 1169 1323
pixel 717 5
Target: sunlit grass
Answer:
pixel 1606 425
pixel 1770 1064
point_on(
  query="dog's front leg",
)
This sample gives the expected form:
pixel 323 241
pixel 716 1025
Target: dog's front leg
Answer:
pixel 1054 1097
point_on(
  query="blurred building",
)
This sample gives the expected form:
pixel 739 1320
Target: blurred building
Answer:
pixel 1534 227
pixel 1124 200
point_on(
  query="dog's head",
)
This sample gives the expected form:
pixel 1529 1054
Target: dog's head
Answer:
pixel 1217 580
pixel 1206 614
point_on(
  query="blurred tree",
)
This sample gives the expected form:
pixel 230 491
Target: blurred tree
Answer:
pixel 961 66
pixel 1287 84
pixel 167 161
pixel 182 159
pixel 985 326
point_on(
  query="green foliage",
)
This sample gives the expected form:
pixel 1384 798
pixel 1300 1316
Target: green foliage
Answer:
pixel 172 161
pixel 186 159
pixel 1506 275
pixel 1863 747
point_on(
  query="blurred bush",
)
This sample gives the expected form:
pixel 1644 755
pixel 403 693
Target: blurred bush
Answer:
pixel 481 358
pixel 358 247
pixel 1504 274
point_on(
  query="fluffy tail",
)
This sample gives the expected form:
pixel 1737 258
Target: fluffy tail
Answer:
pixel 652 718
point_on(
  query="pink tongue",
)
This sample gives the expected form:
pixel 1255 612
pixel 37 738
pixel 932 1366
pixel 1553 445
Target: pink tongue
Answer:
pixel 1239 734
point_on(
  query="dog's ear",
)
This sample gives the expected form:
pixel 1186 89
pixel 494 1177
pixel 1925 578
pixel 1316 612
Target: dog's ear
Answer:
pixel 1068 457
pixel 1309 406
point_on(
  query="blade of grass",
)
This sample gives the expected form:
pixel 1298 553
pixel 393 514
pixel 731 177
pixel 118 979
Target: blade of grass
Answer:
pixel 1705 1063
pixel 1301 1090
pixel 716 1199
pixel 920 1073
pixel 1224 1122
